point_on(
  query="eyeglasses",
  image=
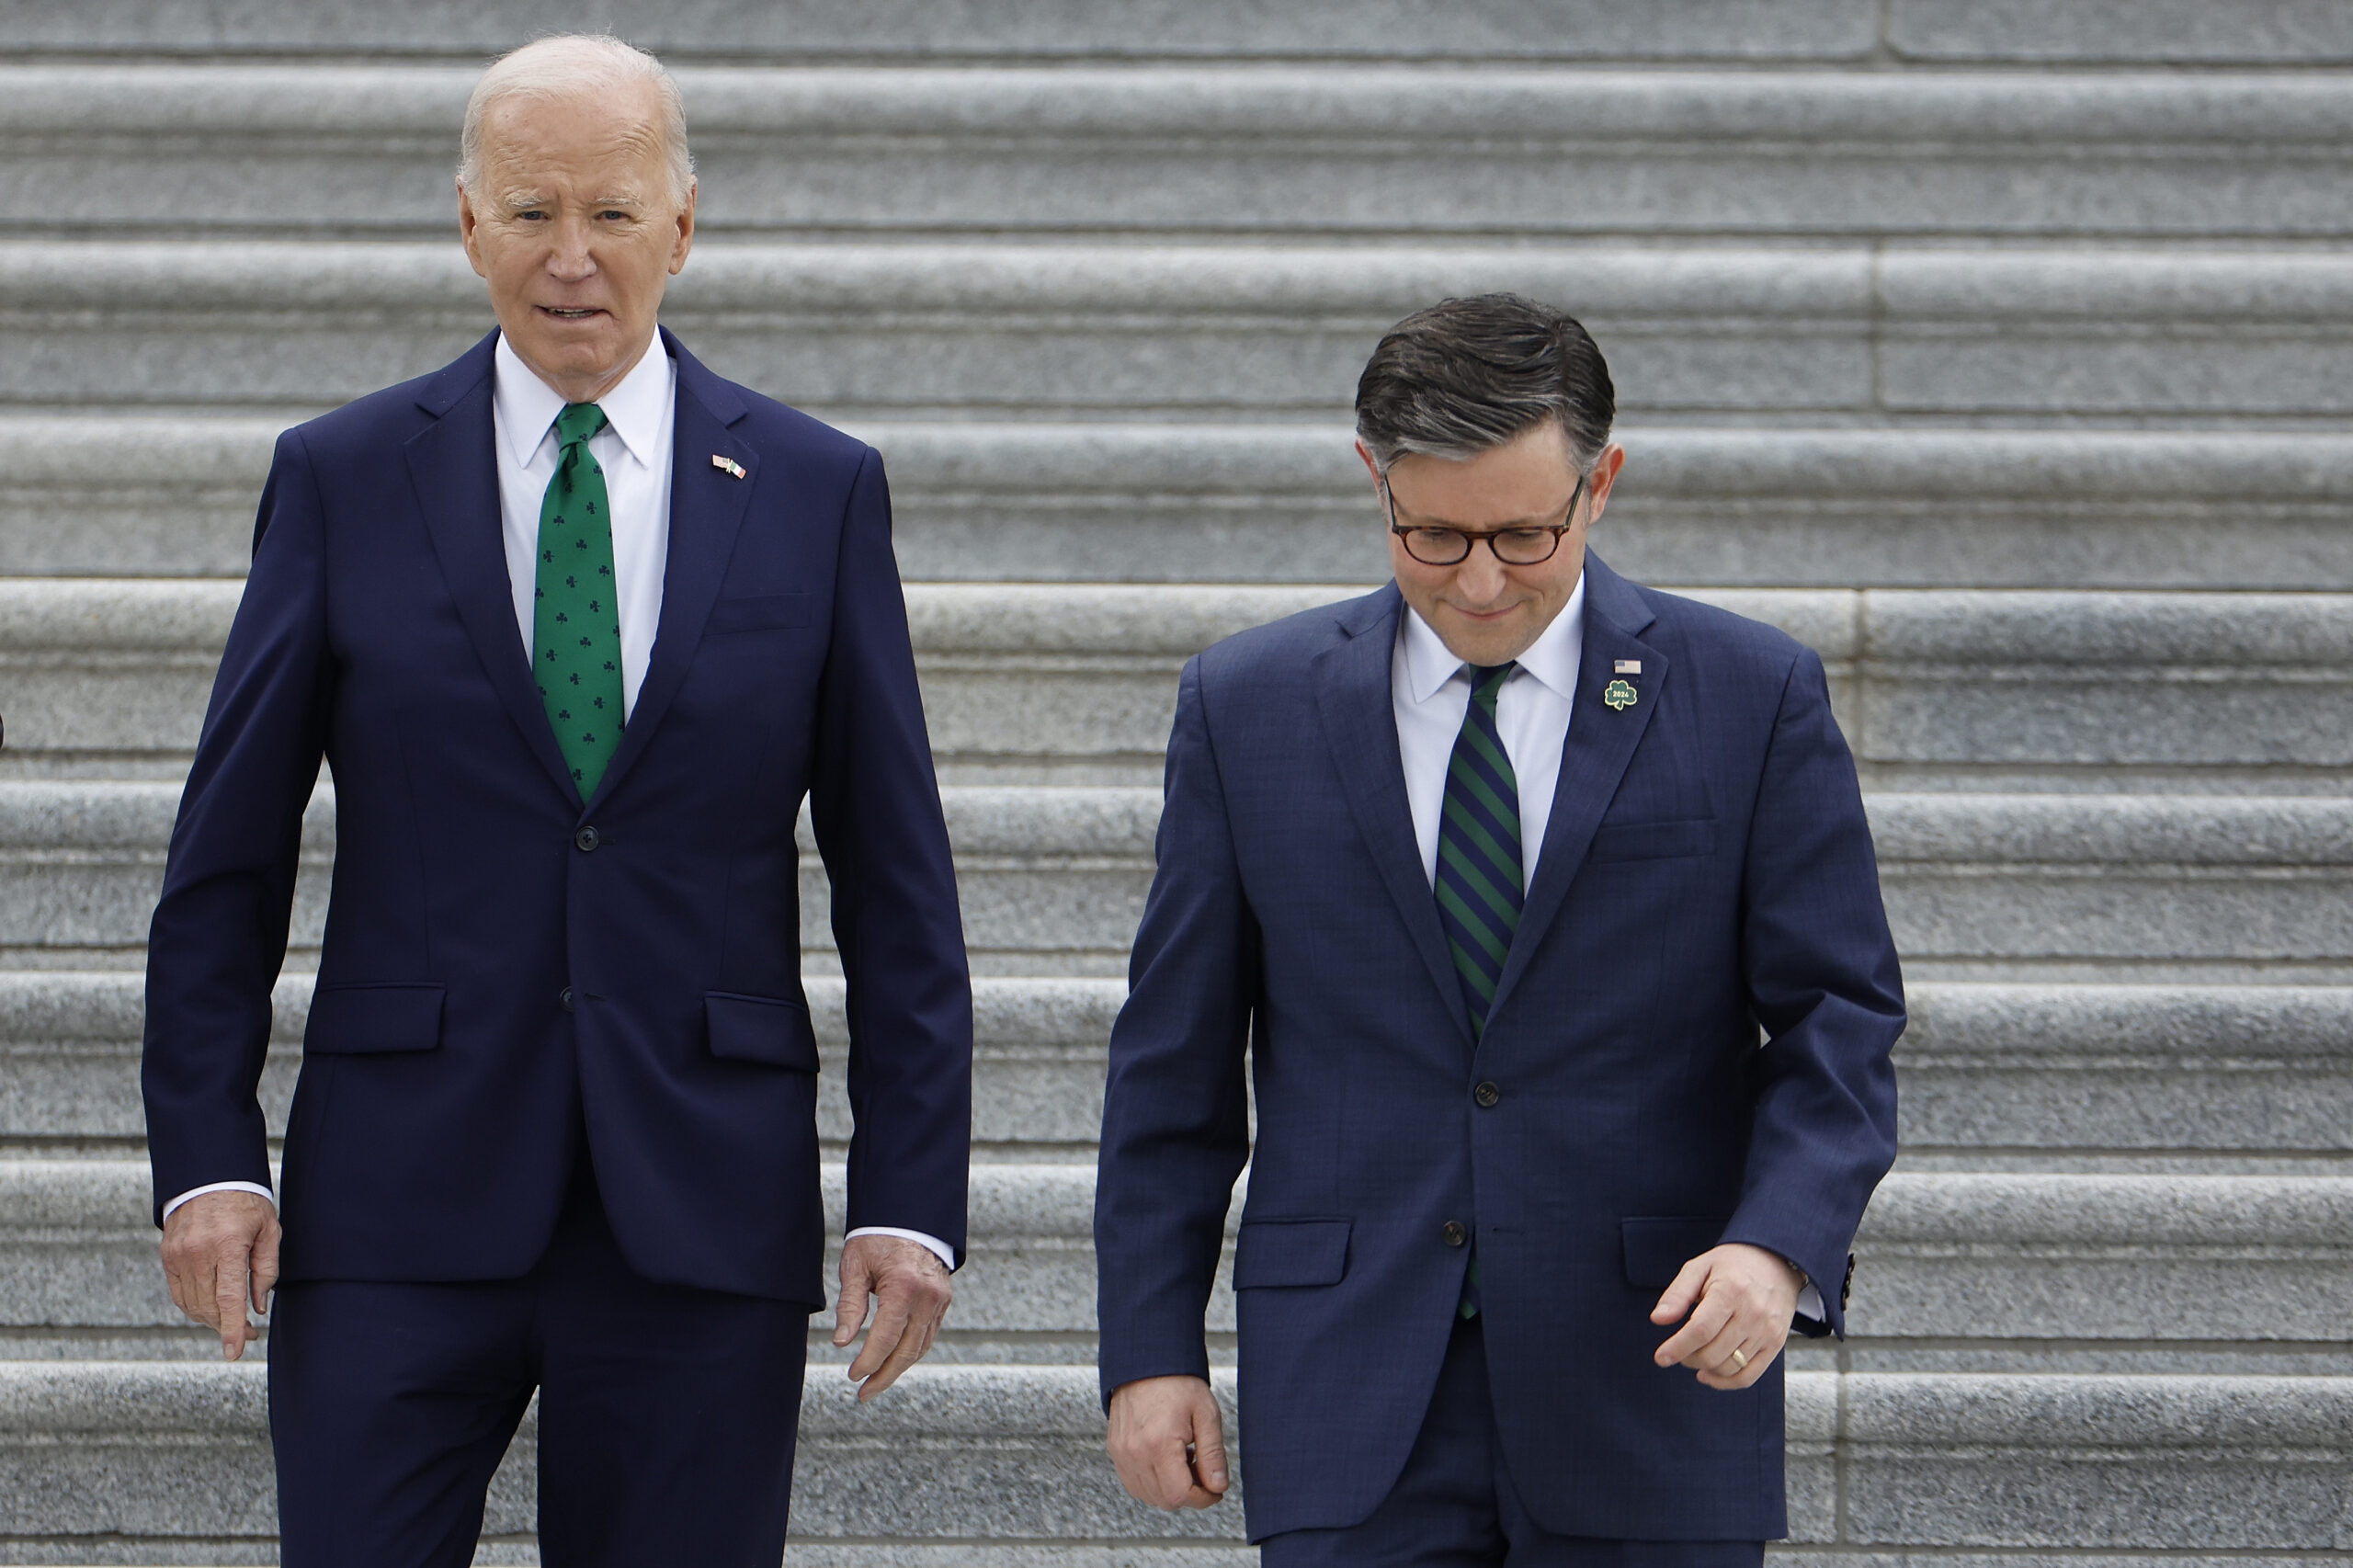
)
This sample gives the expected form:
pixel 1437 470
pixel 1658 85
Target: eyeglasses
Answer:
pixel 1435 546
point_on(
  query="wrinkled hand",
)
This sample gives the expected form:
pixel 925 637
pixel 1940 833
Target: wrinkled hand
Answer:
pixel 220 1256
pixel 911 1289
pixel 1739 1298
pixel 1168 1442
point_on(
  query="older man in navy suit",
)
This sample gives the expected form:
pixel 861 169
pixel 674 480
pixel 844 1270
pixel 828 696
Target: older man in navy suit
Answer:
pixel 1541 910
pixel 578 626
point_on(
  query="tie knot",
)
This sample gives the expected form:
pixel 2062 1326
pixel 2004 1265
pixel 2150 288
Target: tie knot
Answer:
pixel 1488 679
pixel 577 423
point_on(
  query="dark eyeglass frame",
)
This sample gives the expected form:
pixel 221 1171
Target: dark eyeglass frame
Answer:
pixel 1469 538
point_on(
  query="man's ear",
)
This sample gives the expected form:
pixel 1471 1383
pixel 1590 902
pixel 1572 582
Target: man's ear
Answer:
pixel 1370 467
pixel 466 227
pixel 1605 474
pixel 686 230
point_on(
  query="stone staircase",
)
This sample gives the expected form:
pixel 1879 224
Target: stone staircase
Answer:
pixel 1992 347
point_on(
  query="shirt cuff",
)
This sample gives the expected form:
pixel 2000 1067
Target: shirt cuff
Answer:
pixel 939 1249
pixel 254 1188
pixel 1809 1304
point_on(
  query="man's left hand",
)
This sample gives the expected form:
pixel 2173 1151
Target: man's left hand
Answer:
pixel 1736 1303
pixel 911 1289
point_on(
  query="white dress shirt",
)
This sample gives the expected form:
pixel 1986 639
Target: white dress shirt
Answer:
pixel 1429 689
pixel 635 450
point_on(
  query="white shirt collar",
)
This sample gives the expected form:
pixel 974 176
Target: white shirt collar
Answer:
pixel 527 406
pixel 1552 658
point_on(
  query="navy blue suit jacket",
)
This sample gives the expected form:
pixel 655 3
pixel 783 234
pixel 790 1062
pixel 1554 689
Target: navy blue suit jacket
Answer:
pixel 1705 870
pixel 494 977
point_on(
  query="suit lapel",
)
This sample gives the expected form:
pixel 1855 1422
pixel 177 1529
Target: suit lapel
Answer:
pixel 707 507
pixel 454 470
pixel 1352 695
pixel 1600 744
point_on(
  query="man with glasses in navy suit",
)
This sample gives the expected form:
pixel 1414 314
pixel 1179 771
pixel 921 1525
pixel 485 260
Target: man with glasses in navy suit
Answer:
pixel 1538 910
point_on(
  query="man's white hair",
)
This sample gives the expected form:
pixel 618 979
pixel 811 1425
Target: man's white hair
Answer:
pixel 561 66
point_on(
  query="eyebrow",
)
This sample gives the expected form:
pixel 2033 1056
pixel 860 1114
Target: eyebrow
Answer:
pixel 519 202
pixel 1541 520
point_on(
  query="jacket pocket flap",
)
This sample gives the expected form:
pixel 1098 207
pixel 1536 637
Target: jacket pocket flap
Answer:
pixel 1654 840
pixel 761 1029
pixel 367 1020
pixel 1291 1252
pixel 756 612
pixel 1656 1249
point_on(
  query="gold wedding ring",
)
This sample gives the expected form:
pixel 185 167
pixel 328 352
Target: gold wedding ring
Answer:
pixel 1740 1359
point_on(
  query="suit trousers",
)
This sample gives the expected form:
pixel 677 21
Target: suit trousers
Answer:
pixel 1455 1505
pixel 667 1413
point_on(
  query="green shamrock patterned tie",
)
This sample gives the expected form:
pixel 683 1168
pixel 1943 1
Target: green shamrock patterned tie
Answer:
pixel 575 619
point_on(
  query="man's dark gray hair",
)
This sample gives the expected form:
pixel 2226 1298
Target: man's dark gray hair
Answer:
pixel 1465 375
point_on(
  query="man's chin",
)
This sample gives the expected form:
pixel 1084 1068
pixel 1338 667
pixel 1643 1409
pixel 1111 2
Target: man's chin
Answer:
pixel 571 356
pixel 1487 642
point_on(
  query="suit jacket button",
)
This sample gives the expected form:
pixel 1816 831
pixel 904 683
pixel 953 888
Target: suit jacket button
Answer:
pixel 586 839
pixel 1455 1233
pixel 565 997
pixel 1488 1096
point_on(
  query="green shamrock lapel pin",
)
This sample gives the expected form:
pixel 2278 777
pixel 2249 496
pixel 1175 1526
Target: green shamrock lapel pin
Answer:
pixel 1621 694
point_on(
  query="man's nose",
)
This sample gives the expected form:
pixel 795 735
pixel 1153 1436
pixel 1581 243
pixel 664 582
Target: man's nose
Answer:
pixel 1480 578
pixel 571 260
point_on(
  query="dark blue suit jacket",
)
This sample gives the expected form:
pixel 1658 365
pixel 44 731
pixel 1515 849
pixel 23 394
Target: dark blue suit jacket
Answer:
pixel 1705 870
pixel 495 977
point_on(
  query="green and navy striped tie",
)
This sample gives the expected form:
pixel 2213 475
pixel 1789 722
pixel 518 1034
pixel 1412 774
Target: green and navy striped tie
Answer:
pixel 1479 886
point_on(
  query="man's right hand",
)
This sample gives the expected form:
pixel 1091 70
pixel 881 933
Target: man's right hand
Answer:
pixel 1168 1442
pixel 221 1254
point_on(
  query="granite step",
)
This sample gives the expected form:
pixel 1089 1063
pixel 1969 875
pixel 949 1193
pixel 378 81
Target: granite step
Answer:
pixel 1045 876
pixel 2137 1077
pixel 951 1553
pixel 1076 684
pixel 78 1263
pixel 163 1450
pixel 69 1059
pixel 1862 33
pixel 2169 889
pixel 2019 887
pixel 1237 147
pixel 2133 1266
pixel 2093 1078
pixel 115 1455
pixel 1869 332
pixel 515 1550
pixel 120 494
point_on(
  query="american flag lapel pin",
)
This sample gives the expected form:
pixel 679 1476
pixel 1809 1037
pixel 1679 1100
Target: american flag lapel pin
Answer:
pixel 1620 694
pixel 733 469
